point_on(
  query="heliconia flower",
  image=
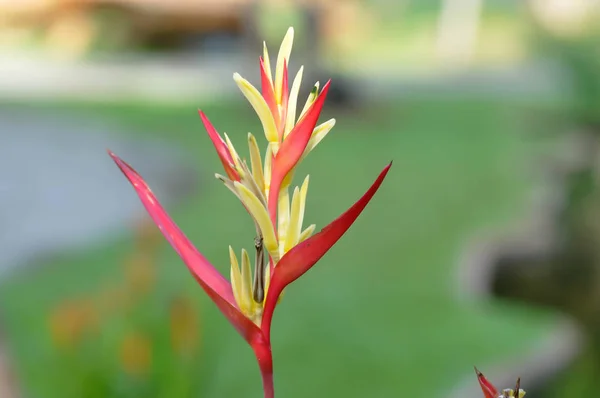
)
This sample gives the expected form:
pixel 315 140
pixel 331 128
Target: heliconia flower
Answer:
pixel 489 391
pixel 284 248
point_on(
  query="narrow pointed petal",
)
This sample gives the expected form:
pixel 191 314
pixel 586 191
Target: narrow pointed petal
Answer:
pixel 260 106
pixel 256 163
pixel 296 216
pixel 267 89
pixel 260 215
pixel 268 168
pixel 237 163
pixel 489 391
pixel 283 58
pixel 283 217
pixel 307 233
pixel 317 136
pixel 236 282
pixel 213 283
pixel 312 96
pixel 290 118
pixel 303 256
pixel 221 147
pixel 293 147
pixel 283 108
pixel 247 280
pixel 266 60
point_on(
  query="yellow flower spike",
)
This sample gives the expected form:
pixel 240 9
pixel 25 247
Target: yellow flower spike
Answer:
pixel 256 163
pixel 284 56
pixel 267 62
pixel 283 217
pixel 246 278
pixel 268 165
pixel 317 136
pixel 307 233
pixel 260 106
pixel 309 101
pixel 292 103
pixel 261 216
pixel 234 155
pixel 237 283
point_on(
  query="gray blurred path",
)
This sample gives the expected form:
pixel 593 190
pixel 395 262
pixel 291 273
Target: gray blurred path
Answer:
pixel 208 76
pixel 59 189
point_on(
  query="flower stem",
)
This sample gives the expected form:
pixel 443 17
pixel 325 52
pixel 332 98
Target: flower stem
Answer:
pixel 263 354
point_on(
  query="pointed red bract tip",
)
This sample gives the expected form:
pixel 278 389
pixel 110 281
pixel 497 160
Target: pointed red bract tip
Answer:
pixel 213 283
pixel 221 147
pixel 306 254
pixel 489 391
pixel 293 147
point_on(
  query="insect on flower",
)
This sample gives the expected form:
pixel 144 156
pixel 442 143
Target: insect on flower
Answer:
pixel 284 249
pixel 489 391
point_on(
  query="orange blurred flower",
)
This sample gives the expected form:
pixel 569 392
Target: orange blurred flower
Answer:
pixel 136 354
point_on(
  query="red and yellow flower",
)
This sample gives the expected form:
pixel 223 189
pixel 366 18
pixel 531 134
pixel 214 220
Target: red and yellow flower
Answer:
pixel 284 248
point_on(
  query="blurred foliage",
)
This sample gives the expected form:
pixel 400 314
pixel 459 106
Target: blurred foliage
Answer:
pixel 580 56
pixel 124 340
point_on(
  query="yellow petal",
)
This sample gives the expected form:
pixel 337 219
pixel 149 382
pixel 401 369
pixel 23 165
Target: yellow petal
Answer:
pixel 260 106
pixel 229 184
pixel 303 193
pixel 292 233
pixel 284 56
pixel 236 283
pixel 247 280
pixel 292 103
pixel 256 163
pixel 283 217
pixel 317 135
pixel 311 98
pixel 234 155
pixel 261 216
pixel 267 280
pixel 267 62
pixel 268 164
pixel 307 233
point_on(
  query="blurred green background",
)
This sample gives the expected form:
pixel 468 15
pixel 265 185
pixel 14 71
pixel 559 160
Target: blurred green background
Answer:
pixel 382 314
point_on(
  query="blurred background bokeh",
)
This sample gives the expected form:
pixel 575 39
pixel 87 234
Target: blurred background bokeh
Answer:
pixel 480 249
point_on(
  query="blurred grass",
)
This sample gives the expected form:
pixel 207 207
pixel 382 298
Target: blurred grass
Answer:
pixel 378 316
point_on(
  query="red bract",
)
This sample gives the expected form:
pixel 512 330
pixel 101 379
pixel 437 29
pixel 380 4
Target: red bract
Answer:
pixel 221 147
pixel 489 391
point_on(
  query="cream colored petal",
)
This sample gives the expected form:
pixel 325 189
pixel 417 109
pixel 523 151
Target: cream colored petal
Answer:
pixel 317 136
pixel 267 62
pixel 237 284
pixel 307 233
pixel 292 103
pixel 283 57
pixel 268 164
pixel 292 233
pixel 247 280
pixel 310 100
pixel 234 156
pixel 229 184
pixel 283 217
pixel 260 106
pixel 261 216
pixel 256 163
pixel 303 193
pixel 267 280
